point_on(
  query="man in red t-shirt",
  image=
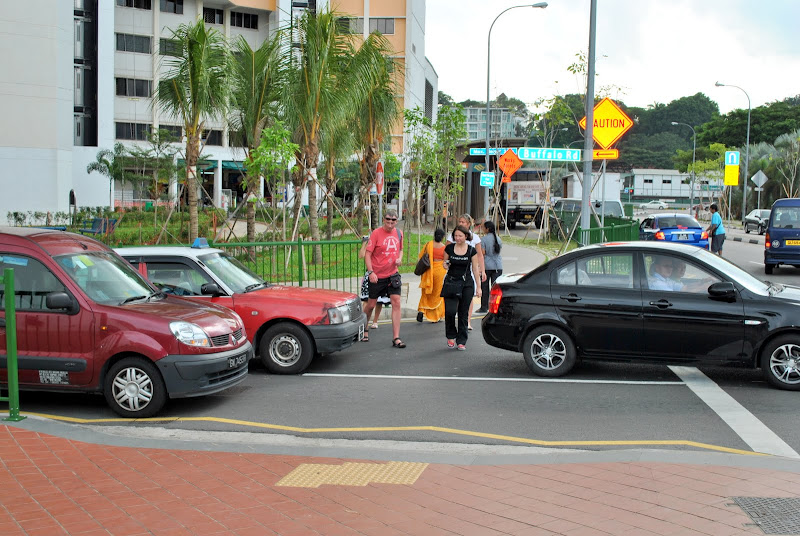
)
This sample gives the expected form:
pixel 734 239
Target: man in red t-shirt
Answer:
pixel 384 255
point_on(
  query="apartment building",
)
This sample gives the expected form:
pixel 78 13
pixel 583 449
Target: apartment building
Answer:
pixel 503 123
pixel 82 74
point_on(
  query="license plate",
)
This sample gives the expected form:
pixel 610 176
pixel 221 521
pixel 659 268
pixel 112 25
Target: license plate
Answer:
pixel 238 361
pixel 683 236
pixel 793 242
pixel 361 332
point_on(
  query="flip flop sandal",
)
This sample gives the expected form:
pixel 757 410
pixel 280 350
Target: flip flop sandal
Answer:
pixel 397 343
pixel 366 336
pixel 451 343
pixel 374 325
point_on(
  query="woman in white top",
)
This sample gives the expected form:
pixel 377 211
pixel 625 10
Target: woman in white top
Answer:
pixel 465 220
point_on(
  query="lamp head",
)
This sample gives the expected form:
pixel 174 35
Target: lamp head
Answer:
pixel 719 84
pixel 675 123
pixel 540 4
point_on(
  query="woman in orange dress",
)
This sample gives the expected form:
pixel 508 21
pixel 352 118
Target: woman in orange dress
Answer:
pixel 431 305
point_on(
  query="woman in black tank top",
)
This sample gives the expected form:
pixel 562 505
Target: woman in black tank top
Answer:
pixel 458 257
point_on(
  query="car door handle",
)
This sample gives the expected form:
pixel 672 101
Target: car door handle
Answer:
pixel 661 304
pixel 571 298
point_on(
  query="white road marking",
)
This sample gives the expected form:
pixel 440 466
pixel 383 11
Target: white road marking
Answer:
pixel 479 379
pixel 746 425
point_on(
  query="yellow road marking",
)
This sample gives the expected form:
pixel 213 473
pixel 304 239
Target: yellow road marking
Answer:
pixel 454 431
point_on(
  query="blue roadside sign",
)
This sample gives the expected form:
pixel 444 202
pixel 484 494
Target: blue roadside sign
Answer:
pixel 481 151
pixel 545 153
pixel 487 179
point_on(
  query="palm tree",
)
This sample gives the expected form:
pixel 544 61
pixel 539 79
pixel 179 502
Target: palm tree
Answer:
pixel 256 80
pixel 378 113
pixel 110 163
pixel 336 142
pixel 327 82
pixel 195 90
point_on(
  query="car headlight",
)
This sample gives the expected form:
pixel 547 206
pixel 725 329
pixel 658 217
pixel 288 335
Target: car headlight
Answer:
pixel 339 315
pixel 190 334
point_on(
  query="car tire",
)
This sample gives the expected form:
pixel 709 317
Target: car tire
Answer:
pixel 549 351
pixel 286 348
pixel 768 268
pixel 512 225
pixel 746 229
pixel 762 230
pixel 134 388
pixel 780 362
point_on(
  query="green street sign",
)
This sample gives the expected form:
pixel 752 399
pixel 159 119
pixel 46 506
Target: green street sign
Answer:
pixel 554 154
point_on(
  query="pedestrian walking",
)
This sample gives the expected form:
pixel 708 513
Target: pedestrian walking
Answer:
pixel 490 246
pixel 431 303
pixel 458 288
pixel 383 300
pixel 466 221
pixel 384 254
pixel 716 230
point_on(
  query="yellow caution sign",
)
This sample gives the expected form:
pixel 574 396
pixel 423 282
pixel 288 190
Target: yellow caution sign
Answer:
pixel 732 175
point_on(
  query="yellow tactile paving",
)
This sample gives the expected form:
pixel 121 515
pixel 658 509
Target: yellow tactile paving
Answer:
pixel 313 475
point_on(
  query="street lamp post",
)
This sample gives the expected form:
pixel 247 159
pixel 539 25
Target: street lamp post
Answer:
pixel 746 150
pixel 694 151
pixel 488 63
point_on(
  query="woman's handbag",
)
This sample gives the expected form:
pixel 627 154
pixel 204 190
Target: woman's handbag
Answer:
pixel 423 264
pixel 452 287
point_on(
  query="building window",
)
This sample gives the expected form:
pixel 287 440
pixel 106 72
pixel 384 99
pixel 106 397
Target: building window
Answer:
pixel 132 131
pixel 244 20
pixel 169 47
pixel 666 181
pixel 174 130
pixel 139 4
pixel 134 87
pixel 212 16
pixel 428 100
pixel 648 181
pixel 172 6
pixel 384 26
pixel 212 137
pixel 133 43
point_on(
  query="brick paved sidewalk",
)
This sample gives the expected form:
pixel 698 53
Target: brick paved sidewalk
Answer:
pixel 50 486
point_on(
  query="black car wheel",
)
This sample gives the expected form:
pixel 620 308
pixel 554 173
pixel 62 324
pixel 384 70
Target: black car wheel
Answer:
pixel 768 268
pixel 762 230
pixel 549 351
pixel 286 348
pixel 133 387
pixel 747 228
pixel 780 362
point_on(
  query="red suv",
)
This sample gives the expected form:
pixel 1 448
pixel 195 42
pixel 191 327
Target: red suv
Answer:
pixel 87 321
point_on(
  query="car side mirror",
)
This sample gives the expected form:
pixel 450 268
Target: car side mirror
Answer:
pixel 210 289
pixel 61 300
pixel 724 290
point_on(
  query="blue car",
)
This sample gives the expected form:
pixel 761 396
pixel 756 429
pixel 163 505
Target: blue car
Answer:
pixel 674 228
pixel 782 239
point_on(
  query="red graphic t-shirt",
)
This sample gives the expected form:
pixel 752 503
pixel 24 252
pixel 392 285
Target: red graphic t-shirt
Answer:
pixel 385 247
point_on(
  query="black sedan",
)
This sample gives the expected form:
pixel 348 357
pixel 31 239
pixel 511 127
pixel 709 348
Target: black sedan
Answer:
pixel 649 302
pixel 756 220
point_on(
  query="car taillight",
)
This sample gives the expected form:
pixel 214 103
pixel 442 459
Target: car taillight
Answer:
pixel 660 235
pixel 704 235
pixel 766 240
pixel 494 299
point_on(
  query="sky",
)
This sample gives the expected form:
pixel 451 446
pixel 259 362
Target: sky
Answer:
pixel 648 51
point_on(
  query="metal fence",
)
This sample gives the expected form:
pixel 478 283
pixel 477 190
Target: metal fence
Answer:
pixel 10 324
pixel 616 232
pixel 336 265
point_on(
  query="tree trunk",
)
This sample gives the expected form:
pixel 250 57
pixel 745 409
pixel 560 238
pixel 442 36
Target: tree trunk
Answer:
pixel 313 216
pixel 192 145
pixel 251 210
pixel 330 184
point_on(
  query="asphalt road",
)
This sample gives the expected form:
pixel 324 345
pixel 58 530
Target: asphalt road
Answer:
pixel 428 392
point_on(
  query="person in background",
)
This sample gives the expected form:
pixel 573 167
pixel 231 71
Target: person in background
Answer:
pixel 431 304
pixel 466 221
pixel 461 261
pixel 716 230
pixel 490 247
pixel 382 299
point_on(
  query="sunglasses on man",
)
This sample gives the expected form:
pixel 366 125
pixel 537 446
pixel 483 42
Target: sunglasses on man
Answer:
pixel 390 219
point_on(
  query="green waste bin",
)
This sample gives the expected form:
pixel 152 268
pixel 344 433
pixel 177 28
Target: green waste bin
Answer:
pixel 148 206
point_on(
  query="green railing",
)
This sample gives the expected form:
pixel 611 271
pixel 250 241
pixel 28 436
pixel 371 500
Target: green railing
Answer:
pixel 293 263
pixel 10 323
pixel 616 232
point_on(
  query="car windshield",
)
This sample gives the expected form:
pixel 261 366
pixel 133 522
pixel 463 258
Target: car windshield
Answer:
pixel 786 217
pixel 677 220
pixel 734 273
pixel 232 272
pixel 612 208
pixel 105 278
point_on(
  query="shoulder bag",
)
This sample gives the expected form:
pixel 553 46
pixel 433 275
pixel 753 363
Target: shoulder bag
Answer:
pixel 423 264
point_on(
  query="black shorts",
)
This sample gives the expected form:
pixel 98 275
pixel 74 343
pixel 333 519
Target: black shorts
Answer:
pixel 383 288
pixel 716 242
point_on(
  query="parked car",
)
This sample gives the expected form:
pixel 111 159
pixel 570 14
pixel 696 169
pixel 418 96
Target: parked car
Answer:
pixel 757 220
pixel 782 237
pixel 603 302
pixel 654 205
pixel 287 325
pixel 87 321
pixel 673 228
